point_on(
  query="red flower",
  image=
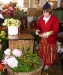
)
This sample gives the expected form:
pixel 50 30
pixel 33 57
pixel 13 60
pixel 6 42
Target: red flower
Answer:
pixel 1 66
pixel 4 13
pixel 11 13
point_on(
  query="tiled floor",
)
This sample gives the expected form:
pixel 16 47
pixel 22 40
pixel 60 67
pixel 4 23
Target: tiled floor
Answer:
pixel 56 69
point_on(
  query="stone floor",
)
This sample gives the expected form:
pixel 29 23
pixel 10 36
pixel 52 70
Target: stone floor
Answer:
pixel 56 69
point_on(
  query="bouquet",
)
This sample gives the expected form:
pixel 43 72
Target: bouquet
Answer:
pixel 13 11
pixel 11 22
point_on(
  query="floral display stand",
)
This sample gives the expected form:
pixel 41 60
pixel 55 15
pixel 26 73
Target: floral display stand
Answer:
pixel 35 72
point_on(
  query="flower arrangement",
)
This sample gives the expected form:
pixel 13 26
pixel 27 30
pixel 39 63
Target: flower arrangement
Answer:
pixel 13 11
pixel 20 60
pixel 11 22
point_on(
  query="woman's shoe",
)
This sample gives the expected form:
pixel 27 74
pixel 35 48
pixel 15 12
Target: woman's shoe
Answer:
pixel 46 67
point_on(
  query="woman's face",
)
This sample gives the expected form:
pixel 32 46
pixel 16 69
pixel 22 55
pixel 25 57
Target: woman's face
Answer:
pixel 46 14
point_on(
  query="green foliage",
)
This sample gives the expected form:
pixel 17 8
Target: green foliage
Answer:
pixel 7 16
pixel 17 14
pixel 1 73
pixel 27 62
pixel 3 43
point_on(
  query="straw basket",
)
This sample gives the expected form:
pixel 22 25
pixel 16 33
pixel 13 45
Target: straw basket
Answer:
pixel 35 72
pixel 21 40
pixel 17 43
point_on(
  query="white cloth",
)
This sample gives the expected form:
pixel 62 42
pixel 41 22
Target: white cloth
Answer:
pixel 46 19
pixel 1 8
pixel 1 16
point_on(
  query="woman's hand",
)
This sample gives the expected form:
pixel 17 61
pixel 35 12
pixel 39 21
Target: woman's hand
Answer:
pixel 37 32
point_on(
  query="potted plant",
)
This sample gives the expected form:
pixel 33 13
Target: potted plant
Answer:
pixel 20 61
pixel 13 25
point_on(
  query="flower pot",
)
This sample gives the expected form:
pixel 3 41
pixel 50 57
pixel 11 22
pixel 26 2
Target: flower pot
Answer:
pixel 35 72
pixel 12 30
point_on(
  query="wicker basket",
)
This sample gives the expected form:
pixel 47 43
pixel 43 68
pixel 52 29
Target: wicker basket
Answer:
pixel 17 43
pixel 35 72
pixel 21 40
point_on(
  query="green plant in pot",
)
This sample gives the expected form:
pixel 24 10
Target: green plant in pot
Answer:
pixel 21 60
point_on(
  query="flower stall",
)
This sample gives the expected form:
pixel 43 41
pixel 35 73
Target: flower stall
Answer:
pixel 18 57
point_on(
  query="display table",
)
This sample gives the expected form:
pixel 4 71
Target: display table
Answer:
pixel 21 40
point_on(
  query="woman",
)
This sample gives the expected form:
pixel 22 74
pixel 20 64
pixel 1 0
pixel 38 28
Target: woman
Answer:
pixel 47 28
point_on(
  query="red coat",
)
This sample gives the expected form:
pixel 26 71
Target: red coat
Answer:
pixel 51 25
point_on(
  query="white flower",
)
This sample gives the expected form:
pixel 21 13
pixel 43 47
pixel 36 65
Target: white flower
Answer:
pixel 6 59
pixel 9 59
pixel 30 19
pixel 7 51
pixel 17 52
pixel 12 62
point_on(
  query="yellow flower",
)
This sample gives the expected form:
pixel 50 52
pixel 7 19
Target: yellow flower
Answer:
pixel 11 22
